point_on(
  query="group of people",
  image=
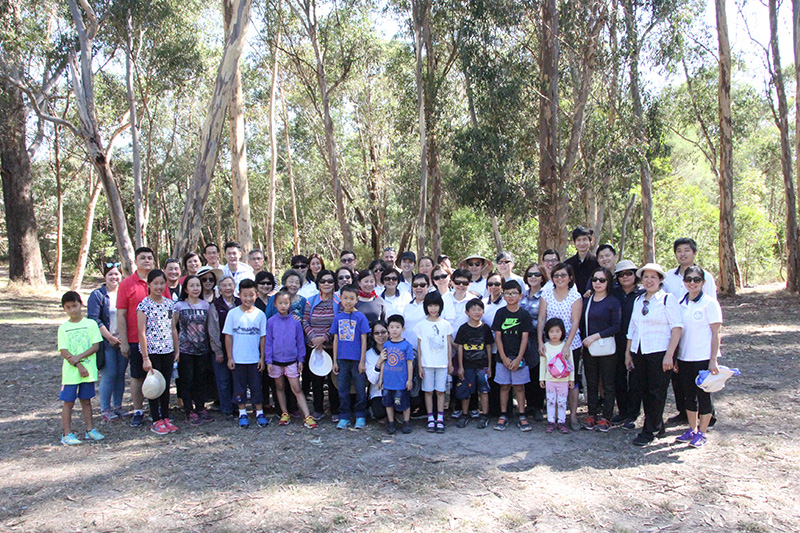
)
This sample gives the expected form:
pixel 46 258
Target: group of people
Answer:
pixel 399 339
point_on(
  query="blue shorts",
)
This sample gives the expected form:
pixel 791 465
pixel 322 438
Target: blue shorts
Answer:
pixel 474 380
pixel 82 391
pixel 399 399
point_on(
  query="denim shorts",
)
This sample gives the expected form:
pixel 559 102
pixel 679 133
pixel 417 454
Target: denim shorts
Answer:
pixel 399 399
pixel 474 380
pixel 435 379
pixel 81 391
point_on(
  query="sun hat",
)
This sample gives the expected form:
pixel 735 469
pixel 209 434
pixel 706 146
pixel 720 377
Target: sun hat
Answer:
pixel 320 363
pixel 154 385
pixel 715 382
pixel 205 269
pixel 625 264
pixel 655 267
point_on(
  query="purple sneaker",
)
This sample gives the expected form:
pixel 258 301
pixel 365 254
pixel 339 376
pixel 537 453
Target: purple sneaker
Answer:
pixel 687 436
pixel 698 441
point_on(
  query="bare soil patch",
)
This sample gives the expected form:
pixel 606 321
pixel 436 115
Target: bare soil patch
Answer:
pixel 220 478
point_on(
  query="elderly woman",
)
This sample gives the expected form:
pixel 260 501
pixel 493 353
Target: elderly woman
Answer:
pixel 653 337
pixel 699 347
pixel 317 319
pixel 102 308
pixel 291 281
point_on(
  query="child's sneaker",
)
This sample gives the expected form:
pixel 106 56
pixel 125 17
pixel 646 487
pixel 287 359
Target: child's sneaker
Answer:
pixel 589 423
pixel 285 419
pixel 159 428
pixel 551 427
pixel 170 426
pixel 603 425
pixel 108 415
pixel 523 424
pixel 93 435
pixel 244 422
pixel 122 413
pixel 687 436
pixel 391 429
pixel 463 421
pixel 563 428
pixel 310 423
pixel 406 427
pixel 474 413
pixel 137 420
pixel 262 420
pixel 698 441
pixel 193 419
pixel 502 423
pixel 70 440
pixel 456 413
pixel 205 416
pixel 483 422
pixel 360 423
pixel 344 423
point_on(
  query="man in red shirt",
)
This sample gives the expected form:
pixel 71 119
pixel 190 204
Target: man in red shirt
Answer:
pixel 132 290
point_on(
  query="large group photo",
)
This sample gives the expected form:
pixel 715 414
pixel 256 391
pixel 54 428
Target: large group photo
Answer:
pixel 369 265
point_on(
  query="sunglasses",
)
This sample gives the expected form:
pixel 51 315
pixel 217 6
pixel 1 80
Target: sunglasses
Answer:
pixel 378 269
pixel 645 307
pixel 389 278
pixel 419 285
pixel 599 280
pixel 503 262
pixel 626 273
pixel 326 280
pixel 533 274
pixel 440 277
pixel 696 279
pixel 113 265
pixel 265 283
pixel 299 266
pixel 494 284
pixel 344 277
pixel 475 264
pixel 380 332
pixel 348 260
pixel 461 282
pixel 208 280
pixel 560 275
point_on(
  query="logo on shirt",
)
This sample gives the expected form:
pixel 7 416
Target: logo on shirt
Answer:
pixel 697 315
pixel 474 347
pixel 347 330
pixel 510 323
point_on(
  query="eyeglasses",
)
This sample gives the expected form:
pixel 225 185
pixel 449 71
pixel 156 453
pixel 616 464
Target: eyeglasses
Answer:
pixel 550 261
pixel 113 265
pixel 326 280
pixel 533 274
pixel 348 260
pixel 696 279
pixel 419 285
pixel 461 282
pixel 626 273
pixel 475 263
pixel 299 266
pixel 494 284
pixel 440 277
pixel 511 293
pixel 389 278
pixel 645 307
pixel 560 275
pixel 376 333
pixel 599 280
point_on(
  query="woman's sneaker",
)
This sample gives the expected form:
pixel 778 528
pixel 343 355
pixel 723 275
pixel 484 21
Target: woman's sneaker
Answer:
pixel 310 423
pixel 687 436
pixel 93 435
pixel 603 425
pixel 193 419
pixel 169 425
pixel 137 420
pixel 360 423
pixel 70 440
pixel 698 441
pixel 589 423
pixel 344 423
pixel 285 419
pixel 159 428
pixel 108 415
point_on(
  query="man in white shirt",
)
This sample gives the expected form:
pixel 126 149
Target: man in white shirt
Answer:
pixel 234 268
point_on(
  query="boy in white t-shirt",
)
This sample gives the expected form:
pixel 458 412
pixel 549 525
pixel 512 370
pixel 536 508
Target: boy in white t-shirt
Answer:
pixel 434 340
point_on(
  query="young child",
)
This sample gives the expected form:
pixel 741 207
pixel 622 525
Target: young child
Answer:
pixel 556 374
pixel 158 343
pixel 397 372
pixel 79 340
pixel 284 355
pixel 245 330
pixel 512 325
pixel 474 348
pixel 434 336
pixel 194 366
pixel 349 329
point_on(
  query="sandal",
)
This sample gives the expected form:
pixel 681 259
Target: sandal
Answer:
pixel 523 424
pixel 440 426
pixel 431 426
pixel 502 422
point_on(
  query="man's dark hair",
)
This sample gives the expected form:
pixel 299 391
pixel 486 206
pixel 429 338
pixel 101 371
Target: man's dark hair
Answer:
pixel 143 250
pixel 684 240
pixel 209 245
pixel 233 244
pixel 345 252
pixel 581 231
pixel 550 251
pixel 606 247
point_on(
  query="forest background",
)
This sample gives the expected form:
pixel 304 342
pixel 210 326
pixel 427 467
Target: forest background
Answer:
pixel 451 127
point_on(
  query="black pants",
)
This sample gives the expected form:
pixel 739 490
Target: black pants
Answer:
pixel 694 395
pixel 159 408
pixel 194 370
pixel 679 391
pixel 600 369
pixel 628 403
pixel 534 393
pixel 378 410
pixel 318 392
pixel 650 383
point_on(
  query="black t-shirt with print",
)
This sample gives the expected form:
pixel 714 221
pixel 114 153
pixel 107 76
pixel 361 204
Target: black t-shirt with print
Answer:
pixel 511 325
pixel 474 341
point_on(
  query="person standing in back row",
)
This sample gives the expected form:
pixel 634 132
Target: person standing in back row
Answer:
pixel 583 262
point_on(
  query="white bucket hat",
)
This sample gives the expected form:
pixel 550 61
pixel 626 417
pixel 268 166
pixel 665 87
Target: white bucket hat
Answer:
pixel 320 363
pixel 154 385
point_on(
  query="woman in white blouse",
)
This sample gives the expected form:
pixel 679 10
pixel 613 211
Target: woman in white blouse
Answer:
pixel 653 337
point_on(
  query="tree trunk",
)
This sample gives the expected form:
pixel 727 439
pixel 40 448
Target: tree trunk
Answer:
pixel 241 193
pixel 436 198
pixel 498 240
pixel 553 208
pixel 624 231
pixel 727 252
pixel 59 207
pixel 24 254
pixel 86 236
pixel 197 195
pixel 793 261
pixel 295 221
pixel 273 163
pixel 138 194
pixel 420 10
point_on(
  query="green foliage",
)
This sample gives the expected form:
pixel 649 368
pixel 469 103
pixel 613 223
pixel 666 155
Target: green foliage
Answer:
pixel 755 245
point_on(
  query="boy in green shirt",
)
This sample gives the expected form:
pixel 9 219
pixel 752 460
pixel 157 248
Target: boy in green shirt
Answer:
pixel 78 341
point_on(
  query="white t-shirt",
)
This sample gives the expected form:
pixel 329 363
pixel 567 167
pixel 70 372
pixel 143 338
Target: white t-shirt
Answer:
pixel 413 313
pixel 112 313
pixel 489 310
pixel 308 290
pixel 395 305
pixel 247 329
pixel 459 309
pixel 698 315
pixel 433 342
pixel 479 287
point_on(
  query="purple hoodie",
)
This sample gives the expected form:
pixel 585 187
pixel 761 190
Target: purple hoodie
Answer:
pixel 285 342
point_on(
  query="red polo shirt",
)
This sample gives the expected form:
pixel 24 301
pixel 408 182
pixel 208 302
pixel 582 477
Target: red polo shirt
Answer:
pixel 132 290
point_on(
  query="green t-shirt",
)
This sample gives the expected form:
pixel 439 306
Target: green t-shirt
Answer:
pixel 76 338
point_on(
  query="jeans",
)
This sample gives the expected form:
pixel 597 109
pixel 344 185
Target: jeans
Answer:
pixel 112 378
pixel 350 376
pixel 650 383
pixel 600 369
pixel 224 379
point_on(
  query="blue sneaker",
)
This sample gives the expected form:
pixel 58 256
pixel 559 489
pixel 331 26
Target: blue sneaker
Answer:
pixel 244 422
pixel 262 420
pixel 344 423
pixel 70 440
pixel 698 441
pixel 137 420
pixel 687 436
pixel 93 435
pixel 360 423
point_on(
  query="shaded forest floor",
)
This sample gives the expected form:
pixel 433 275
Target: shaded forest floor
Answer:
pixel 219 478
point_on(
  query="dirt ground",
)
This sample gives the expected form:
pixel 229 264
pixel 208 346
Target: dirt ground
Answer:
pixel 219 478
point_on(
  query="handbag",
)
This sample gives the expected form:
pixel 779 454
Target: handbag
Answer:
pixel 604 345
